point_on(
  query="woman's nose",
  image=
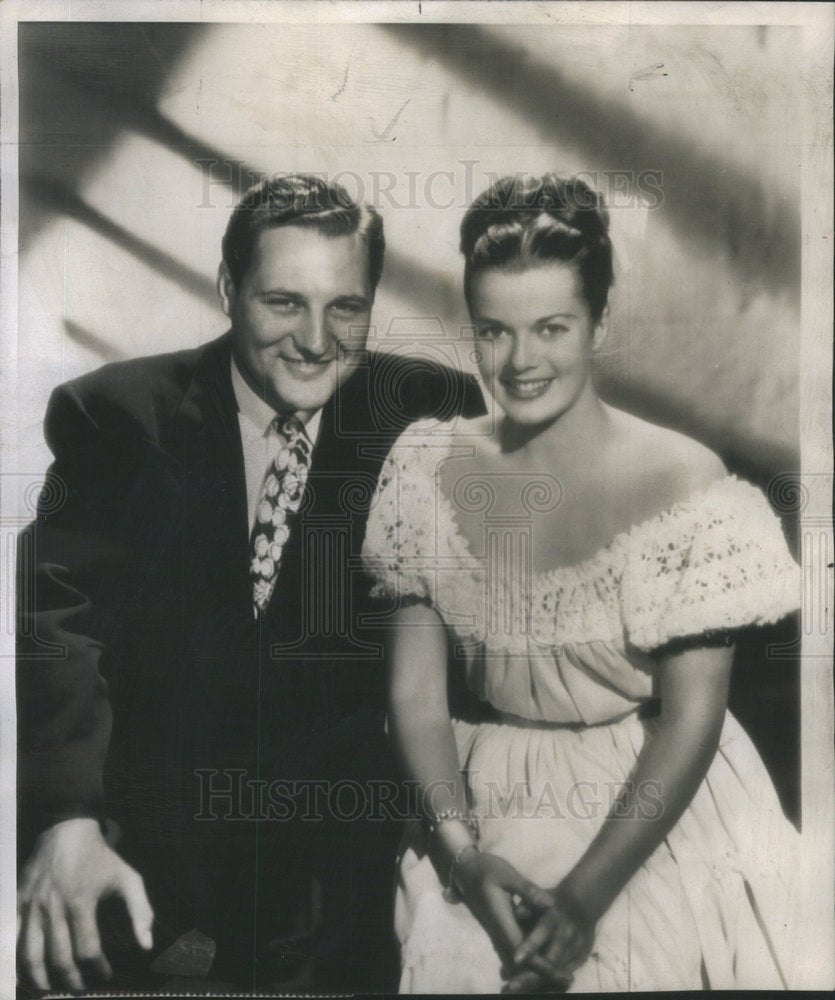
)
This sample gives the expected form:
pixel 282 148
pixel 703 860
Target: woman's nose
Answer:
pixel 520 356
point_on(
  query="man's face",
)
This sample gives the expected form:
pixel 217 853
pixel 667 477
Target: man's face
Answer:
pixel 300 316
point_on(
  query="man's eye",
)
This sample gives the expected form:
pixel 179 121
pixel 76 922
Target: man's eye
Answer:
pixel 346 308
pixel 554 329
pixel 282 305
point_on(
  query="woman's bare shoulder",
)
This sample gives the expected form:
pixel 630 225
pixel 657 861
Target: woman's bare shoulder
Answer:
pixel 670 463
pixel 474 438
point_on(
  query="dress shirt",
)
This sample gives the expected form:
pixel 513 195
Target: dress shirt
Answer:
pixel 260 441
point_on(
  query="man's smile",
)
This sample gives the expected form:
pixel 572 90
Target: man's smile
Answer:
pixel 307 366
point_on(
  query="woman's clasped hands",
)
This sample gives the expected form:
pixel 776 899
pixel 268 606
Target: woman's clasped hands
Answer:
pixel 542 935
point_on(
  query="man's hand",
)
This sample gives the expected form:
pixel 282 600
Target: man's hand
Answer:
pixel 60 886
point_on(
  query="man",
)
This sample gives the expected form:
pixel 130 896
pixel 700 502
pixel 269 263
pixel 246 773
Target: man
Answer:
pixel 196 662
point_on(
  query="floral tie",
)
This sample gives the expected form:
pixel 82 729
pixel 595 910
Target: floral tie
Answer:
pixel 281 496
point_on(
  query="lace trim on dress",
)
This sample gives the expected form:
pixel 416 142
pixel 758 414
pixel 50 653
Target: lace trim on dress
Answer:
pixel 401 548
pixel 714 562
pixel 710 639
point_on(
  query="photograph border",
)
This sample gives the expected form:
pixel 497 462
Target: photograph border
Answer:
pixel 816 479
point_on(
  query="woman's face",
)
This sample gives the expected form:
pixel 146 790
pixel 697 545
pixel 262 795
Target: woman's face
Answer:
pixel 536 338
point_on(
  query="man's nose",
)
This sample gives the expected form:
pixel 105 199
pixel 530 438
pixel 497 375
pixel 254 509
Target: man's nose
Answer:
pixel 313 337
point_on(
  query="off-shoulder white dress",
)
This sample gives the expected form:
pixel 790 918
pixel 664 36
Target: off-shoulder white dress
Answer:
pixel 564 657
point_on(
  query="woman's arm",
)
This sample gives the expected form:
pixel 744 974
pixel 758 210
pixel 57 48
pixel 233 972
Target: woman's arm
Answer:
pixel 419 720
pixel 693 686
pixel 424 743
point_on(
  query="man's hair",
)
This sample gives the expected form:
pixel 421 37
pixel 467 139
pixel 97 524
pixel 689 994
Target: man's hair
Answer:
pixel 300 200
pixel 520 221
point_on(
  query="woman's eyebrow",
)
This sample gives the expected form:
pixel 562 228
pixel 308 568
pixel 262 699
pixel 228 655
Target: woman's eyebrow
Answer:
pixel 557 315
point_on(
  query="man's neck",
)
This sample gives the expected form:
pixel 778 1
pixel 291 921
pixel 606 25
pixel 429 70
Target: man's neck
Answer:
pixel 258 411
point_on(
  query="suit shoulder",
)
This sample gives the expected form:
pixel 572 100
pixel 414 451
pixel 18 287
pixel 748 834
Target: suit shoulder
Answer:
pixel 124 381
pixel 122 399
pixel 422 386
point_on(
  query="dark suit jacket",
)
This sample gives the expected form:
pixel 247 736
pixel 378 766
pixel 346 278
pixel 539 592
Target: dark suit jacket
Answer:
pixel 141 665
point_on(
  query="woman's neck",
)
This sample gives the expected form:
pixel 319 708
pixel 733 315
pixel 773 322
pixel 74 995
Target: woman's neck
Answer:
pixel 574 434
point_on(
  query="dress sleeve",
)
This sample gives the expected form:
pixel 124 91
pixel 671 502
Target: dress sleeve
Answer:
pixel 399 550
pixel 711 564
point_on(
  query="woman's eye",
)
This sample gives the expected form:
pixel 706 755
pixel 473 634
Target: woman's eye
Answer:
pixel 490 332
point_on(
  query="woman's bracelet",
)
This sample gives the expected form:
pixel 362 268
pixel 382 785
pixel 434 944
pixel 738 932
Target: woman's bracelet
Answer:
pixel 451 893
pixel 453 814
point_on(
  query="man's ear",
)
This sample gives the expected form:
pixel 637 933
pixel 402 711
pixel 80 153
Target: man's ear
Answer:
pixel 226 289
pixel 601 330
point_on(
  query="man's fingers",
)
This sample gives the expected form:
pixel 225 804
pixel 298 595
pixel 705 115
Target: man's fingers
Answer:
pixel 59 948
pixel 86 940
pixel 32 950
pixel 132 889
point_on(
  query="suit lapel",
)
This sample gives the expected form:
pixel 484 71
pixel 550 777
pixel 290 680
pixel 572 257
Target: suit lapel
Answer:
pixel 215 507
pixel 313 572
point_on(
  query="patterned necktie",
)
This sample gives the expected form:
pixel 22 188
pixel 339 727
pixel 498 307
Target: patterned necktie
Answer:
pixel 281 496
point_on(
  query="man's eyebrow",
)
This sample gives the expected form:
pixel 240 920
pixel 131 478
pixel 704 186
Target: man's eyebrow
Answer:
pixel 284 292
pixel 356 299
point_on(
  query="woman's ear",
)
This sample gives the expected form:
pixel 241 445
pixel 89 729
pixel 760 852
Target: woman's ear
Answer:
pixel 226 289
pixel 601 330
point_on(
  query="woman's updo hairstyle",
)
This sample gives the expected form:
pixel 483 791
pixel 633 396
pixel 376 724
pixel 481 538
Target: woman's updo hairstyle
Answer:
pixel 521 220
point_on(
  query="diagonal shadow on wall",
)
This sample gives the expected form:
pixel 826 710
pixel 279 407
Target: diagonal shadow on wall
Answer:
pixel 705 198
pixel 80 84
pixel 86 83
pixel 62 200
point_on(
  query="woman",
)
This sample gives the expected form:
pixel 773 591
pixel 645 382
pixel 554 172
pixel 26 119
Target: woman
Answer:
pixel 613 828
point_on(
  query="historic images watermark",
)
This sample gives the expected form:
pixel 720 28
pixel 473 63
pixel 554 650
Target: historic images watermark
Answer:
pixel 47 495
pixel 223 179
pixel 233 795
pixel 789 494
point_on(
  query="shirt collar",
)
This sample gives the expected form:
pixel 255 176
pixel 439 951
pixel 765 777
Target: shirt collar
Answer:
pixel 259 413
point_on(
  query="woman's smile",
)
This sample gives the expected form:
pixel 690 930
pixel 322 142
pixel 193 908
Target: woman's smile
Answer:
pixel 526 388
